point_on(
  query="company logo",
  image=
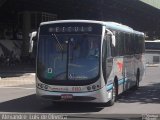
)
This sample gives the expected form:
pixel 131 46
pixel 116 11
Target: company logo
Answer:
pixel 120 66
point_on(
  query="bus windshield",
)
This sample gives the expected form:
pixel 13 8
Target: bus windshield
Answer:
pixel 73 57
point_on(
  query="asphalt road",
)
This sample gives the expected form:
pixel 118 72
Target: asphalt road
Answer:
pixel 145 100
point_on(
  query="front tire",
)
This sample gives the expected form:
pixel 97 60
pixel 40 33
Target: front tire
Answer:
pixel 114 95
pixel 137 80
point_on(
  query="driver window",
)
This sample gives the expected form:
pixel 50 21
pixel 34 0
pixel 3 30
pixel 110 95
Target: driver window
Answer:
pixel 108 40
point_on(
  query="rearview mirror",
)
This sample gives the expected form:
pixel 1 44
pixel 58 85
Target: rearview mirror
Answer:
pixel 113 40
pixel 32 36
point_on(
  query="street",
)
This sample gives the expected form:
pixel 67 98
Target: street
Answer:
pixel 145 100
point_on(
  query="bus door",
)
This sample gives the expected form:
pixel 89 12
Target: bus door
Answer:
pixel 107 59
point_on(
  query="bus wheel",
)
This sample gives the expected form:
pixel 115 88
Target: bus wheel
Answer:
pixel 137 80
pixel 112 101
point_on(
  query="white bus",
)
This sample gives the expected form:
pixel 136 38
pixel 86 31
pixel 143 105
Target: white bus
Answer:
pixel 87 61
pixel 152 52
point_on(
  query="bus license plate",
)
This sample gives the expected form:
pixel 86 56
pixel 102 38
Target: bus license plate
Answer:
pixel 67 96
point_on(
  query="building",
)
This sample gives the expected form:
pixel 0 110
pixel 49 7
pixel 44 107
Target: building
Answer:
pixel 152 52
pixel 21 17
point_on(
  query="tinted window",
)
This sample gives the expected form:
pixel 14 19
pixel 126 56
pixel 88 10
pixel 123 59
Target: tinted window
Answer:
pixel 139 44
pixel 121 44
pixel 127 44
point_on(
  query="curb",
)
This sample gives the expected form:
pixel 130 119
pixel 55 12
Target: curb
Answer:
pixel 9 75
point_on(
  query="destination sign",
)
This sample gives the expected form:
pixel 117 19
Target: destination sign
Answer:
pixel 71 28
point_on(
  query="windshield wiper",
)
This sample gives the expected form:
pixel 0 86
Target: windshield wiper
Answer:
pixel 59 44
pixel 58 41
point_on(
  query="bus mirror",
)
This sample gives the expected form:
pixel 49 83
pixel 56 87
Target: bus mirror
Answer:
pixel 32 36
pixel 113 40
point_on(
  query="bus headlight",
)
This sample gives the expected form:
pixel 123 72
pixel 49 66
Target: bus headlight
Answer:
pixel 42 86
pixel 93 87
pixel 88 88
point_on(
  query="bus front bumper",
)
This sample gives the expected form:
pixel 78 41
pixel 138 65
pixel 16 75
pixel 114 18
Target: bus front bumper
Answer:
pixel 98 96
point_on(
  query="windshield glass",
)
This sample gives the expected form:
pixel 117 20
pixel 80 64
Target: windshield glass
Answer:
pixel 68 57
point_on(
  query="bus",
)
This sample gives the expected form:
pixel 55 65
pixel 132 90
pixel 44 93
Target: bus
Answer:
pixel 87 60
pixel 152 51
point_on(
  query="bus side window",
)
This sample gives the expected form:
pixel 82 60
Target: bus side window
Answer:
pixel 143 44
pixel 120 43
pixel 108 38
pixel 132 44
pixel 106 47
pixel 127 44
pixel 106 57
pixel 136 44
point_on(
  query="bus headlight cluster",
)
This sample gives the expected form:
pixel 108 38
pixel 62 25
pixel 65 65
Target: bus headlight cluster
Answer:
pixel 93 87
pixel 42 86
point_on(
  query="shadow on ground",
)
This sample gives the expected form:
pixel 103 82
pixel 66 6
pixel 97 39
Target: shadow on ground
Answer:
pixel 32 104
pixel 144 95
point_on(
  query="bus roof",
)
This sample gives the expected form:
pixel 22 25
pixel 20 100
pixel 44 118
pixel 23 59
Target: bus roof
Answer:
pixel 108 24
pixel 73 21
pixel 121 27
